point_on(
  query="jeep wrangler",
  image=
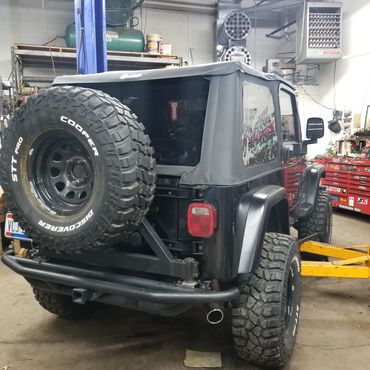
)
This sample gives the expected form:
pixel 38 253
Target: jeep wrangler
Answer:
pixel 162 189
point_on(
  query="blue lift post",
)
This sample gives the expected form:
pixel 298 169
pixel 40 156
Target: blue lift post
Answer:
pixel 91 44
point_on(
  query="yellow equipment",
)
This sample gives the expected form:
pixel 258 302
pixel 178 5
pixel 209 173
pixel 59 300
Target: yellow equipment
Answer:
pixel 350 262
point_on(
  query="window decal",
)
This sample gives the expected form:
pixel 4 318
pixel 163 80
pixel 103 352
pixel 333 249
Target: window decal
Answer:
pixel 259 139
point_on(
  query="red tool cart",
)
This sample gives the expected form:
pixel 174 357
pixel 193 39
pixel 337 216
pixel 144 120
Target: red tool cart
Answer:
pixel 348 182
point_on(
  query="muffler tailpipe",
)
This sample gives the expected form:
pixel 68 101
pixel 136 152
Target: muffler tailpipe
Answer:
pixel 215 314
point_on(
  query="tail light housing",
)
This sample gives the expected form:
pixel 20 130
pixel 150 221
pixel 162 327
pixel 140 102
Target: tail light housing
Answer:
pixel 202 220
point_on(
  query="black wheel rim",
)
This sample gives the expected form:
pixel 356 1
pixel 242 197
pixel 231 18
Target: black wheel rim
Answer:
pixel 328 224
pixel 61 172
pixel 292 304
pixel 289 298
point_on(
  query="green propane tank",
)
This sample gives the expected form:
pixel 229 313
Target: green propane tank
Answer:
pixel 124 40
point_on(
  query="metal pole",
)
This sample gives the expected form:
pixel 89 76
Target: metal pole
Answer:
pixel 91 47
pixel 1 99
pixel 281 28
pixel 185 6
pixel 100 34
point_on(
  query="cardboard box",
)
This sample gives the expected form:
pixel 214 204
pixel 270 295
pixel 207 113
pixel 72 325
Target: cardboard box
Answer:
pixel 3 206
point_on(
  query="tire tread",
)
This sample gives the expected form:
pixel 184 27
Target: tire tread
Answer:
pixel 257 323
pixel 127 153
pixel 61 305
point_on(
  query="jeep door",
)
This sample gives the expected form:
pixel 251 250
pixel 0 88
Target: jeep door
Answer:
pixel 292 159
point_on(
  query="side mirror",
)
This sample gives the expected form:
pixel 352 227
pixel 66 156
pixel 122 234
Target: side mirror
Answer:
pixel 6 84
pixel 315 128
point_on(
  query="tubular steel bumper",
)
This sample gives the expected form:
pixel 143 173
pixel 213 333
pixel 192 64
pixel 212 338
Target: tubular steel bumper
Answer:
pixel 99 282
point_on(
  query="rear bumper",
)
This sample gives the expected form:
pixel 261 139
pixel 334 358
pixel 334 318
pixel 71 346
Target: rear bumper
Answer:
pixel 97 283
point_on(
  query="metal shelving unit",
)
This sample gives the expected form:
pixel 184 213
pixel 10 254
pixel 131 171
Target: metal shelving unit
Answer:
pixel 39 65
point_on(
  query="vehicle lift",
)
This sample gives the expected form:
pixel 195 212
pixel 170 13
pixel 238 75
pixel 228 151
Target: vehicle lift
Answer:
pixel 91 45
pixel 349 262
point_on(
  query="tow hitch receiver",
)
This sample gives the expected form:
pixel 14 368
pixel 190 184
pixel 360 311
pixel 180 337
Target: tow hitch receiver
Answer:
pixel 85 283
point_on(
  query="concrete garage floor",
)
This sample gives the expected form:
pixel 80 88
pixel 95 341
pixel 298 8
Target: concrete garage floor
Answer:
pixel 334 328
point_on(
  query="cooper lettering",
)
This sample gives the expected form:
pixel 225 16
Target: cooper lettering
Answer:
pixel 81 130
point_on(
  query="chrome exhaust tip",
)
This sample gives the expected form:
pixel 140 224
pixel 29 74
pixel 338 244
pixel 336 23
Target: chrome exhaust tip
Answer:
pixel 215 316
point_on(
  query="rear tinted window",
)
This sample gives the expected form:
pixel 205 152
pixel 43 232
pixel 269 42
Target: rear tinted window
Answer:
pixel 173 112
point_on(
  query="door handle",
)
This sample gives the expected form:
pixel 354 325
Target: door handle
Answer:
pixel 286 155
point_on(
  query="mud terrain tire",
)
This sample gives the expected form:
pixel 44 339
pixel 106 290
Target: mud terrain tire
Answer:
pixel 61 305
pixel 265 316
pixel 319 221
pixel 77 169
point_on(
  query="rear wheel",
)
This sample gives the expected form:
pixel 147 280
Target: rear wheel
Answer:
pixel 319 222
pixel 61 305
pixel 265 317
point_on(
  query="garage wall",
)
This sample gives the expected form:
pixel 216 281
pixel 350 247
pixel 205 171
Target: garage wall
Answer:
pixel 196 32
pixel 184 30
pixel 22 21
pixel 352 75
pixel 261 47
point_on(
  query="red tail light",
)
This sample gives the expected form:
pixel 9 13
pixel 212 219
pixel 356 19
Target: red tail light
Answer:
pixel 201 220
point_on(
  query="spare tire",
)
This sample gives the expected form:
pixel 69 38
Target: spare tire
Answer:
pixel 77 169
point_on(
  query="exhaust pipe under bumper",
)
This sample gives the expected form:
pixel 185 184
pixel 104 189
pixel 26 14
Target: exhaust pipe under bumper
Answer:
pixel 215 314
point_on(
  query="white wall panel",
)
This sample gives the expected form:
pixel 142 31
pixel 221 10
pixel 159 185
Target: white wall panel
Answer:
pixel 22 21
pixel 352 80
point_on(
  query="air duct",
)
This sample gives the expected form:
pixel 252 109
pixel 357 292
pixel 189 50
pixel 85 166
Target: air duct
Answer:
pixel 233 28
pixel 236 27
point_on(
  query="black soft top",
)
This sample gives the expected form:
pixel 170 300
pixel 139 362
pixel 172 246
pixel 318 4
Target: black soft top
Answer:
pixel 221 161
pixel 211 69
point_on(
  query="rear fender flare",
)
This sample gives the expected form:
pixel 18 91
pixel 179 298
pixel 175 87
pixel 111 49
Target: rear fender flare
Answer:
pixel 309 190
pixel 253 217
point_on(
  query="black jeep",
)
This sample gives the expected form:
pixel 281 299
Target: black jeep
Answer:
pixel 158 190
